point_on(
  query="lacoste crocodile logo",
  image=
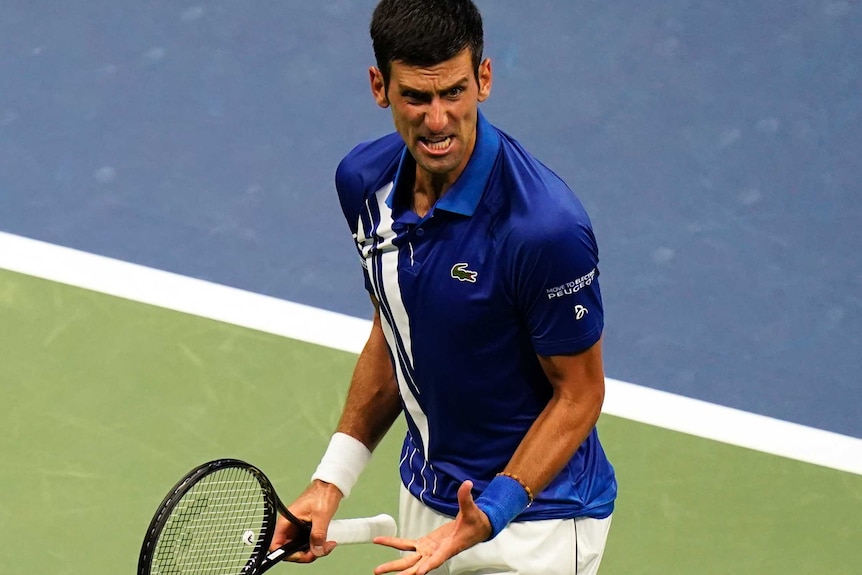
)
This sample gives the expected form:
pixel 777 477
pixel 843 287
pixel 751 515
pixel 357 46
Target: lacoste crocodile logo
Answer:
pixel 462 274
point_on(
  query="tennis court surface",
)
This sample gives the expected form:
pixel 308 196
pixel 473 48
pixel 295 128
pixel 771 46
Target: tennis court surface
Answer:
pixel 107 402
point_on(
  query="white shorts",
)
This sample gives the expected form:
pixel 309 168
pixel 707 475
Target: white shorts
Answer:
pixel 547 547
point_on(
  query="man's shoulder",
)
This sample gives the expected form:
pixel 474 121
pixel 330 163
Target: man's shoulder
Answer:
pixel 535 198
pixel 367 168
pixel 523 167
pixel 368 164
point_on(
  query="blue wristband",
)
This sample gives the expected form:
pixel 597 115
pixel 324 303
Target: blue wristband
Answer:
pixel 502 501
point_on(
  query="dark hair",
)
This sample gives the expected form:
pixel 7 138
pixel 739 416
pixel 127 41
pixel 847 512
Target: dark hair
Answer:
pixel 425 32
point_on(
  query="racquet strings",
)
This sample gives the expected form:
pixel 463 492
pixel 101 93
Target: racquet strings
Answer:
pixel 214 528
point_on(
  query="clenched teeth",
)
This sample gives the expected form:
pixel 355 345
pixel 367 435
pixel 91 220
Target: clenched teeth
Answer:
pixel 438 144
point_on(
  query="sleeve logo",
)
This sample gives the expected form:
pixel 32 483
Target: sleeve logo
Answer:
pixel 462 274
pixel 580 311
pixel 572 287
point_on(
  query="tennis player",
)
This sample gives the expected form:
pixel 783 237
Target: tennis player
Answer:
pixel 483 270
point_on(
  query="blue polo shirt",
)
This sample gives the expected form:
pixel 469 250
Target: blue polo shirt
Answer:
pixel 502 268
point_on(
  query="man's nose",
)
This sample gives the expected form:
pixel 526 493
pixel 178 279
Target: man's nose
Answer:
pixel 436 118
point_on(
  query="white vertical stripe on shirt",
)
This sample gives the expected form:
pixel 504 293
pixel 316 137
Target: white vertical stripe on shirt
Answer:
pixel 391 293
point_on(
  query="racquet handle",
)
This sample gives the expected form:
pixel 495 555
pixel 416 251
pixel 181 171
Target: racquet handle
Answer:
pixel 361 529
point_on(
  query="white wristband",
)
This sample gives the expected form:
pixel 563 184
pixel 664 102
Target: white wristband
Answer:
pixel 344 460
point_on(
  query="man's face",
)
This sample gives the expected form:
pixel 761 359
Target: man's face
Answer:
pixel 435 109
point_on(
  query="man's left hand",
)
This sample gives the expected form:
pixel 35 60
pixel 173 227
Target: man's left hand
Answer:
pixel 470 526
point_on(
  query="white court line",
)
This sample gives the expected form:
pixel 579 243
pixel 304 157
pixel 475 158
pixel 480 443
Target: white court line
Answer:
pixel 181 293
pixel 347 333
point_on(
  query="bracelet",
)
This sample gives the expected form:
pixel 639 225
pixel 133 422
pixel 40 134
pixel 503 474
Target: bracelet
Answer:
pixel 524 485
pixel 503 500
pixel 343 461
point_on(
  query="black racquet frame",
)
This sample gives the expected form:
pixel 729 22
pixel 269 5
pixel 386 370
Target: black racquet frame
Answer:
pixel 260 558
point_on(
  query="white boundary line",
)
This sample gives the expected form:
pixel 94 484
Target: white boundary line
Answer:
pixel 733 426
pixel 181 293
pixel 346 333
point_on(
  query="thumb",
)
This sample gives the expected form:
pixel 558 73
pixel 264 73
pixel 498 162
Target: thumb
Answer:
pixel 465 496
pixel 470 513
pixel 317 537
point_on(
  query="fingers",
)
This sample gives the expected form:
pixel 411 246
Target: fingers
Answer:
pixel 413 564
pixel 396 543
pixel 308 556
pixel 471 526
pixel 429 553
pixel 428 564
pixel 401 565
pixel 301 557
pixel 284 531
pixel 316 505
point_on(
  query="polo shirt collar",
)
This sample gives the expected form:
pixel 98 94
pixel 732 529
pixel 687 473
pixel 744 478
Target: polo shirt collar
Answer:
pixel 463 197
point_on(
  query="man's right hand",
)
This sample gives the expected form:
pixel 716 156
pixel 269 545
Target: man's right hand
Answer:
pixel 317 505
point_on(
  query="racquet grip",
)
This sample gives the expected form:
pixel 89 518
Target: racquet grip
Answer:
pixel 361 529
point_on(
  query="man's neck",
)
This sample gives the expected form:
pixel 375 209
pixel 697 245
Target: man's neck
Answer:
pixel 428 189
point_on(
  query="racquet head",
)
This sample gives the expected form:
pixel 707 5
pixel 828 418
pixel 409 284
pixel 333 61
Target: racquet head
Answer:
pixel 218 520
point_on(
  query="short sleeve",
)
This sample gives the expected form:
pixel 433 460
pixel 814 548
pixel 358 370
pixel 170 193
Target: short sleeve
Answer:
pixel 350 189
pixel 368 166
pixel 557 289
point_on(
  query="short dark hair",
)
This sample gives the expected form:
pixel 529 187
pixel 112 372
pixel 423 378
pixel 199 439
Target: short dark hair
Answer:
pixel 425 32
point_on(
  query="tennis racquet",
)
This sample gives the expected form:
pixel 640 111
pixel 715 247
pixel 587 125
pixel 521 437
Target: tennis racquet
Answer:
pixel 220 520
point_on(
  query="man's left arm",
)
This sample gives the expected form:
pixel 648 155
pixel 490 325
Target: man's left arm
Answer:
pixel 578 381
pixel 578 393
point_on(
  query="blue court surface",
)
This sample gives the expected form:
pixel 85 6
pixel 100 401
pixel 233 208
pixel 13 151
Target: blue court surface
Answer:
pixel 716 146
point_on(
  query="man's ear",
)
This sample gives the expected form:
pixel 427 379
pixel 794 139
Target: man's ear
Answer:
pixel 486 78
pixel 378 87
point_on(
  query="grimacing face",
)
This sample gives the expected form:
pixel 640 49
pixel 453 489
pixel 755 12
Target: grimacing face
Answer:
pixel 435 109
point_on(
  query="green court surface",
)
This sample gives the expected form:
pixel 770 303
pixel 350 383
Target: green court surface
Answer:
pixel 105 403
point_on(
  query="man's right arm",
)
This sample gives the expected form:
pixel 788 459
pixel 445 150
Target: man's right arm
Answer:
pixel 372 405
pixel 373 402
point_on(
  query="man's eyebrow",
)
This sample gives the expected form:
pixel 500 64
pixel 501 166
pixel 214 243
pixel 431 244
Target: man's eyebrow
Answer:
pixel 406 89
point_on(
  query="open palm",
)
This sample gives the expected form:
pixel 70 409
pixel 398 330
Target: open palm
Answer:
pixel 470 526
